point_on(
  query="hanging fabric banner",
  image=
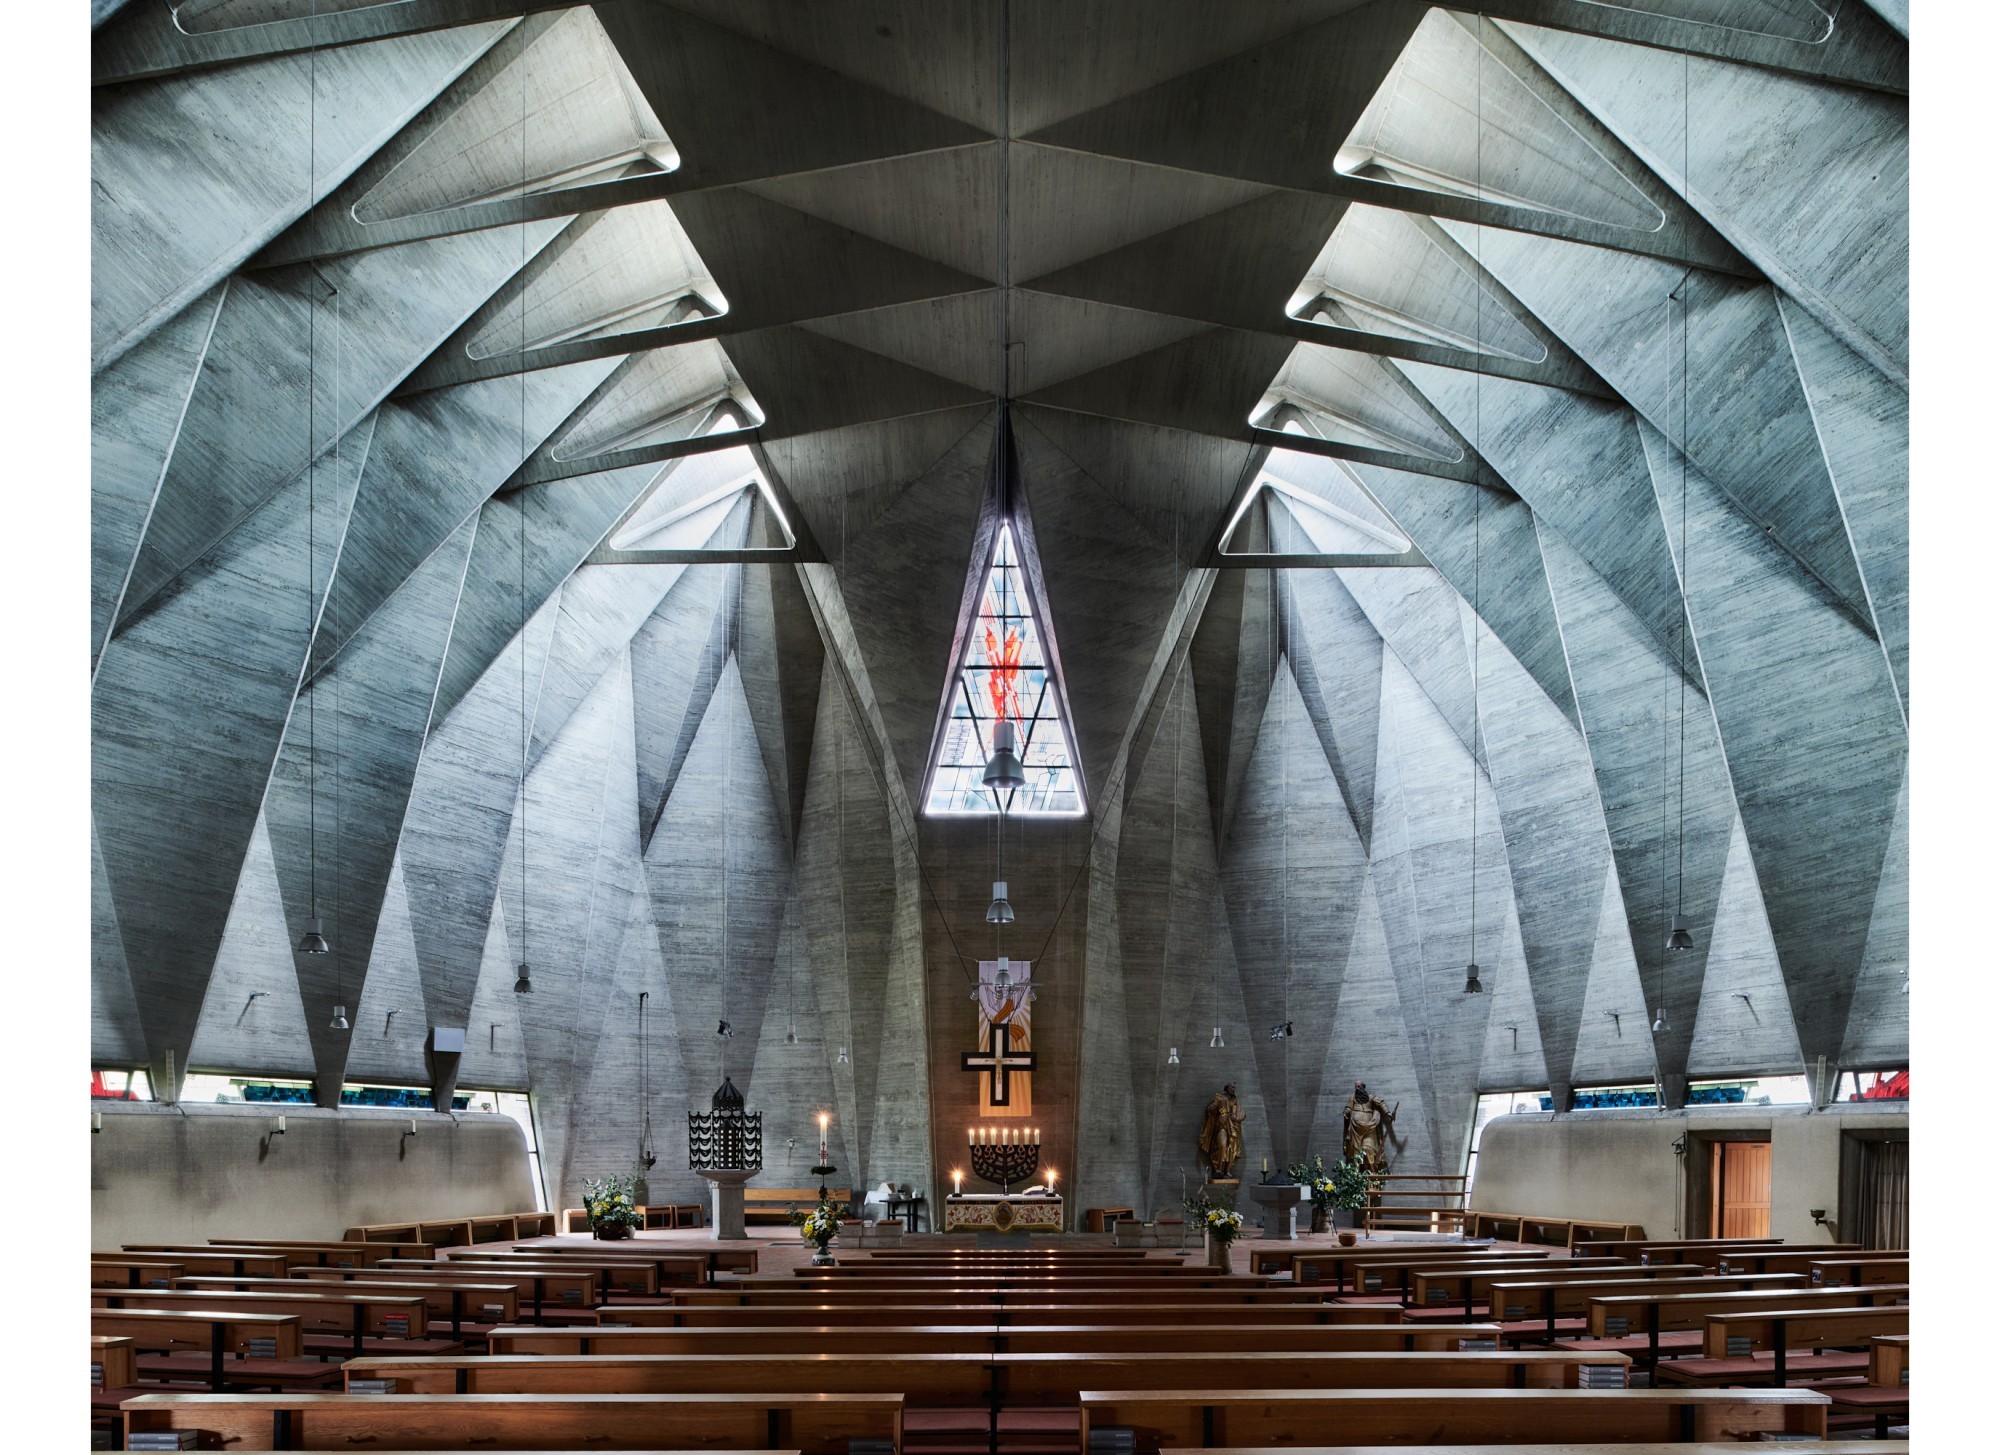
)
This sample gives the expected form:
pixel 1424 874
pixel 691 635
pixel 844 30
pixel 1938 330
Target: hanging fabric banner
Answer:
pixel 1005 1058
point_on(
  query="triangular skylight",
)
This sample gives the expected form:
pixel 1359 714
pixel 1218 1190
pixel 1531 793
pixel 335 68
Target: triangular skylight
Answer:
pixel 1005 672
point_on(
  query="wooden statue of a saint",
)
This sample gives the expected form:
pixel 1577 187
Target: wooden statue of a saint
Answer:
pixel 1366 1125
pixel 1221 1139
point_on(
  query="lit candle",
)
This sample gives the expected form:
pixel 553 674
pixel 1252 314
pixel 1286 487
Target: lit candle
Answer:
pixel 1267 1164
pixel 968 1136
pixel 1052 1181
pixel 822 1139
pixel 957 1182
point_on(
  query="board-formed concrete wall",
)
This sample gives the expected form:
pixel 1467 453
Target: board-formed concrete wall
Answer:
pixel 1622 1166
pixel 161 1174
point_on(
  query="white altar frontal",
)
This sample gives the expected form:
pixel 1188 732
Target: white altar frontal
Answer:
pixel 993 1212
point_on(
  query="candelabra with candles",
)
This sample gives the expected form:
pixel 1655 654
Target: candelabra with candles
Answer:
pixel 1005 1155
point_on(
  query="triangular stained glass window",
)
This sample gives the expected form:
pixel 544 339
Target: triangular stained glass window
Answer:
pixel 1005 674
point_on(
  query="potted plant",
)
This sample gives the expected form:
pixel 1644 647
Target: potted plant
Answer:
pixel 1349 1187
pixel 1313 1176
pixel 612 1205
pixel 818 1226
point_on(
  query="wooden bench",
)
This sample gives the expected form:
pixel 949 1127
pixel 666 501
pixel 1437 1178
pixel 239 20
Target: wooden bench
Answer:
pixel 876 1312
pixel 1886 1395
pixel 355 1318
pixel 331 1252
pixel 1636 1248
pixel 1332 1265
pixel 775 1204
pixel 917 1338
pixel 1218 1417
pixel 635 1274
pixel 1222 1295
pixel 1428 1288
pixel 223 1335
pixel 133 1270
pixel 1613 1316
pixel 1100 1219
pixel 1388 1272
pixel 1790 1260
pixel 1731 1343
pixel 813 1424
pixel 1874 1268
pixel 578 1288
pixel 675 1264
pixel 451 1301
pixel 1550 1301
pixel 201 1258
pixel 988 1379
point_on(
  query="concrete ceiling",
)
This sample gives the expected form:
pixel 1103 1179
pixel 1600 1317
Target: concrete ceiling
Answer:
pixel 1636 390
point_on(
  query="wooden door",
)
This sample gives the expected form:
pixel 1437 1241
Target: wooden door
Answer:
pixel 1743 1190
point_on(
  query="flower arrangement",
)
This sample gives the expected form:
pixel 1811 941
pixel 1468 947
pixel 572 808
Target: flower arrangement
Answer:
pixel 1223 1224
pixel 818 1225
pixel 612 1202
pixel 1344 1185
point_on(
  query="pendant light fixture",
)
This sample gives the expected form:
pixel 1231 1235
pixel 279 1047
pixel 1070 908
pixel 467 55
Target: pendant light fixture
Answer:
pixel 1472 983
pixel 313 941
pixel 339 1021
pixel 523 983
pixel 1678 936
pixel 1173 1055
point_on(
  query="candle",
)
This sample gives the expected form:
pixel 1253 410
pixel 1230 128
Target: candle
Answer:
pixel 1267 1164
pixel 97 1121
pixel 822 1139
pixel 957 1182
pixel 281 1124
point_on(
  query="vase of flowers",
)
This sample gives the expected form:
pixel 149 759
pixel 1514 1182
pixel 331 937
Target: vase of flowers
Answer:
pixel 1348 1187
pixel 1314 1177
pixel 818 1227
pixel 1222 1225
pixel 612 1205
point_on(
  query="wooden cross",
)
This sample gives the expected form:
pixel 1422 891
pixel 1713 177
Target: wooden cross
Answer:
pixel 998 1063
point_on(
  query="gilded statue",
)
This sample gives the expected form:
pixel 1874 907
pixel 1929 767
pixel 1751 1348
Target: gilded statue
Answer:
pixel 1221 1139
pixel 1366 1127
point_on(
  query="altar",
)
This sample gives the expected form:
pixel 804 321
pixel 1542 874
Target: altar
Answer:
pixel 994 1212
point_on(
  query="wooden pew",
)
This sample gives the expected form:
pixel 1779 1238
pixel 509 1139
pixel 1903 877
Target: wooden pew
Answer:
pixel 775 1204
pixel 1552 1300
pixel 877 1312
pixel 1871 1268
pixel 734 1295
pixel 1570 1447
pixel 1074 1253
pixel 671 1265
pixel 1886 1395
pixel 384 1232
pixel 218 1333
pixel 1586 1234
pixel 1731 1342
pixel 202 1258
pixel 814 1424
pixel 355 1317
pixel 638 1275
pixel 1342 1266
pixel 450 1301
pixel 1225 1417
pixel 575 1288
pixel 968 1268
pixel 1635 1248
pixel 992 1380
pixel 1427 1287
pixel 1793 1260
pixel 332 1252
pixel 1660 1312
pixel 1389 1272
pixel 114 1361
pixel 133 1270
pixel 991 1338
